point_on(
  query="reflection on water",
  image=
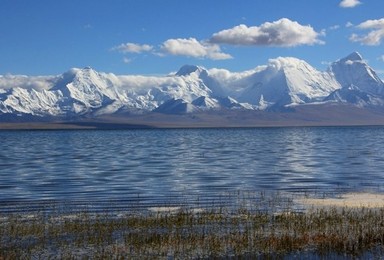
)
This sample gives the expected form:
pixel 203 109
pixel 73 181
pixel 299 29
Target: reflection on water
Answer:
pixel 112 165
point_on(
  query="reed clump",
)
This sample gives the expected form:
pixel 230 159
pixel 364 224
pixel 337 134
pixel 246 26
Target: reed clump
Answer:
pixel 186 232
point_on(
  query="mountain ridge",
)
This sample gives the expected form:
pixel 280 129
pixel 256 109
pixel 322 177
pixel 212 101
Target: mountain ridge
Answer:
pixel 283 83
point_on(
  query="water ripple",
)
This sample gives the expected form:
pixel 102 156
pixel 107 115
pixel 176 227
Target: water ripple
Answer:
pixel 113 165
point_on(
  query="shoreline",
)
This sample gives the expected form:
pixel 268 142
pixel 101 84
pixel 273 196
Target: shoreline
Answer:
pixel 301 116
pixel 173 125
pixel 353 230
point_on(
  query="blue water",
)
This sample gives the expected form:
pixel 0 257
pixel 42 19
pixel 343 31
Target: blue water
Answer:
pixel 92 165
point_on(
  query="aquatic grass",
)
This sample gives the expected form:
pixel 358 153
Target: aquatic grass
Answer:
pixel 257 225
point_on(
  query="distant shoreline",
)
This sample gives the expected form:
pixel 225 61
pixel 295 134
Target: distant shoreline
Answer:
pixel 326 115
pixel 115 126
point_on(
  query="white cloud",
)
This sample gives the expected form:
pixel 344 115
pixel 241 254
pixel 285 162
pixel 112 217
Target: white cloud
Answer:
pixel 349 3
pixel 375 34
pixel 381 58
pixel 348 24
pixel 334 27
pixel 372 24
pixel 127 60
pixel 327 63
pixel 132 48
pixel 284 33
pixel 35 82
pixel 193 48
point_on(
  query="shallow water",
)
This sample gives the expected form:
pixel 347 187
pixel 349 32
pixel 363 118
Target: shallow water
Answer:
pixel 156 165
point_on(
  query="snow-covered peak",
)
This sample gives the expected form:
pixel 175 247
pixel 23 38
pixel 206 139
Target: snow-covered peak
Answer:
pixel 354 56
pixel 353 70
pixel 286 62
pixel 292 68
pixel 205 102
pixel 287 80
pixel 86 90
pixel 189 69
pixel 88 74
pixel 175 106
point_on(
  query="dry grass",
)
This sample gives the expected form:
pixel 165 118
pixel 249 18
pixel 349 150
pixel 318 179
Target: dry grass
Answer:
pixel 251 230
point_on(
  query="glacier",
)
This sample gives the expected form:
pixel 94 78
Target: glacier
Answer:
pixel 284 82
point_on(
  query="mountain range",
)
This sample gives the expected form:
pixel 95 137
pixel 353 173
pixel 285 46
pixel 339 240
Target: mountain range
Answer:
pixel 285 84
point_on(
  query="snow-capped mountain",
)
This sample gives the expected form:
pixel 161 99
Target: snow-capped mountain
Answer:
pixel 283 82
pixel 359 83
pixel 287 81
pixel 354 71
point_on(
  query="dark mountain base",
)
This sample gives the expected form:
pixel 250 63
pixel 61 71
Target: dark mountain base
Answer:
pixel 305 115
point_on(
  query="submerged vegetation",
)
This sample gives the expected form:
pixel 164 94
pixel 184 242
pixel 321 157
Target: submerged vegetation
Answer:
pixel 259 229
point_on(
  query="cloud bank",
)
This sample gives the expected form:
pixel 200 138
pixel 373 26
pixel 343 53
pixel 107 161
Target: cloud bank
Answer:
pixel 349 3
pixel 28 82
pixel 282 33
pixel 375 34
pixel 193 48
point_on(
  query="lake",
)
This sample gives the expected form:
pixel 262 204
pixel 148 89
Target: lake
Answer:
pixel 116 167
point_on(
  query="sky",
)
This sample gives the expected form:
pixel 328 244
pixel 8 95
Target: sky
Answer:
pixel 157 37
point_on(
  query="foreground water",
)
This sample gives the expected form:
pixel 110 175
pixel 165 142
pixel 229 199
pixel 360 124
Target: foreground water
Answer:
pixel 157 166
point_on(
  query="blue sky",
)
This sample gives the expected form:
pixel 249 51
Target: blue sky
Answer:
pixel 48 37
